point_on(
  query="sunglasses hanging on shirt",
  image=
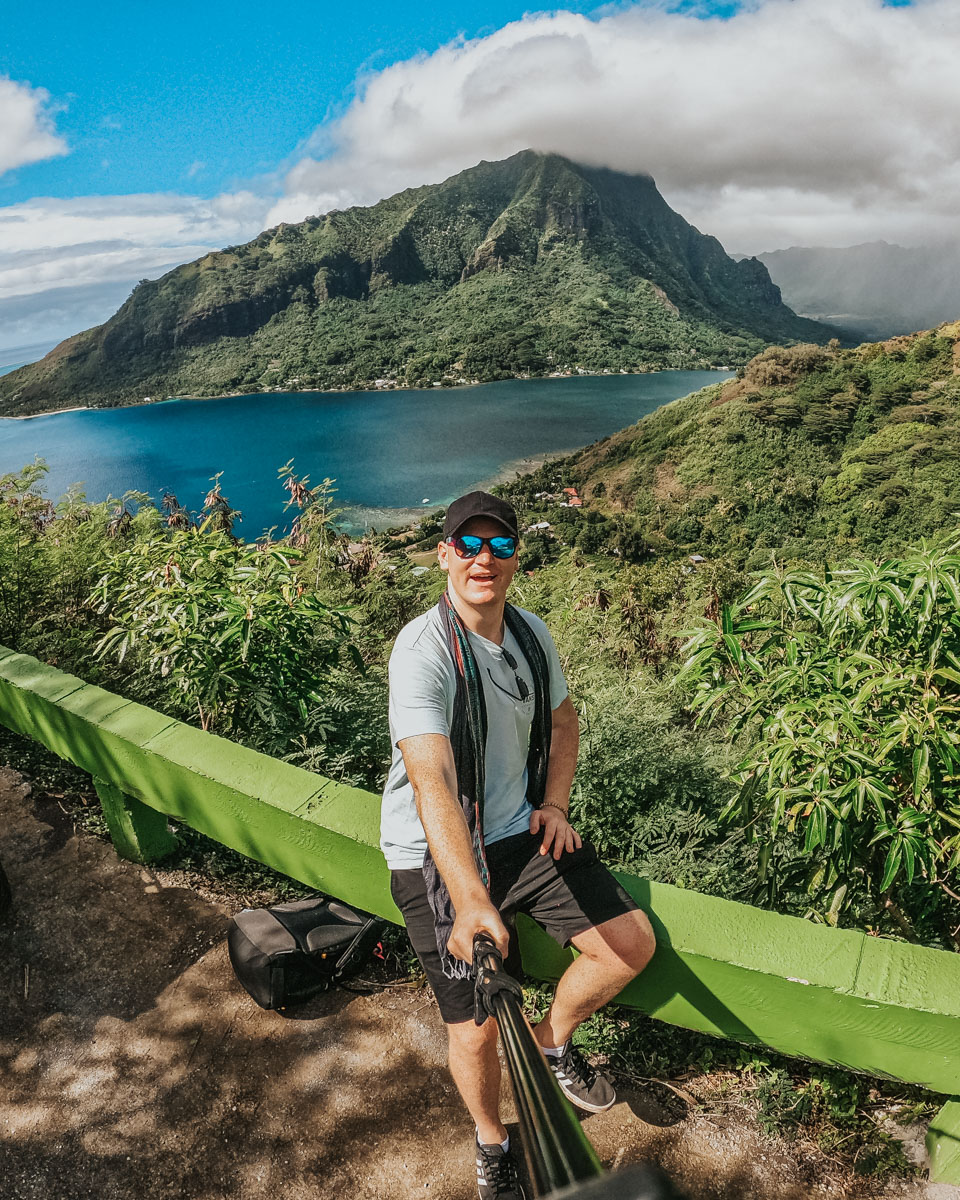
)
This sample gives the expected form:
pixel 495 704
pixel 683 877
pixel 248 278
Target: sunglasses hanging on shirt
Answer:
pixel 521 683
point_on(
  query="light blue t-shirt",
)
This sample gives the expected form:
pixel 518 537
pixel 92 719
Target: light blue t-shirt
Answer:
pixel 422 691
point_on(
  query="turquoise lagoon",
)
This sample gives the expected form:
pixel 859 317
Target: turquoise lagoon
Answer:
pixel 387 450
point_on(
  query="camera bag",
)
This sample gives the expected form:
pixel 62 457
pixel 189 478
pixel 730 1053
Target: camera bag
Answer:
pixel 286 954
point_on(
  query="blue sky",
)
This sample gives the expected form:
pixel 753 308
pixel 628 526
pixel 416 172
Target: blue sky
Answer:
pixel 205 97
pixel 137 136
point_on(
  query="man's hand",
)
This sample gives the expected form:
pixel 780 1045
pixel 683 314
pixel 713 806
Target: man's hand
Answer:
pixel 481 917
pixel 558 833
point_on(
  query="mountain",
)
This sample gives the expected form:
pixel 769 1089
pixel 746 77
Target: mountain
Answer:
pixel 811 454
pixel 874 290
pixel 525 266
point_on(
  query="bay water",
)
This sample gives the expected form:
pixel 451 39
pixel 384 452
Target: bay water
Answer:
pixel 387 450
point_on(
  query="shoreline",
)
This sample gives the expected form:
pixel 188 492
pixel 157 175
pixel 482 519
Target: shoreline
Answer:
pixel 51 412
pixel 522 466
pixel 382 517
pixel 358 518
pixel 335 391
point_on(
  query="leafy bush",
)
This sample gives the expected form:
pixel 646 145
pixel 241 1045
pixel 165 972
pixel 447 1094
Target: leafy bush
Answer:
pixel 49 559
pixel 230 628
pixel 847 688
pixel 345 735
pixel 648 792
pixel 24 517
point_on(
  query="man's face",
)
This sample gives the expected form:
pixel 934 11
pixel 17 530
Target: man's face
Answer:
pixel 484 579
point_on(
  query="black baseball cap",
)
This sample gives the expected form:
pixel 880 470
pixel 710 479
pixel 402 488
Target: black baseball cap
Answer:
pixel 480 504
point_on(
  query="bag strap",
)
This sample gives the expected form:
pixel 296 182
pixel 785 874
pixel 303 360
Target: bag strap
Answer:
pixel 310 956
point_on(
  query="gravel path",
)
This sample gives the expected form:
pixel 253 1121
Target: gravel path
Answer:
pixel 133 1066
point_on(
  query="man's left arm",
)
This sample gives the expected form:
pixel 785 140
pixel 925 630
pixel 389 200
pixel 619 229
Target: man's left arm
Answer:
pixel 551 819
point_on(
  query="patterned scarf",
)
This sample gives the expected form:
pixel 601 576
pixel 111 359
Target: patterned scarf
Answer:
pixel 468 737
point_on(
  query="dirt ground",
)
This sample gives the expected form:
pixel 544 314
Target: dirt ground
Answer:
pixel 134 1067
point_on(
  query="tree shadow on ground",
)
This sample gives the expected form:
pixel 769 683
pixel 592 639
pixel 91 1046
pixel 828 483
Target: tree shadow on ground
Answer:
pixel 133 1065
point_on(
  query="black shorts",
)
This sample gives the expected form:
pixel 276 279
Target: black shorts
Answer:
pixel 566 896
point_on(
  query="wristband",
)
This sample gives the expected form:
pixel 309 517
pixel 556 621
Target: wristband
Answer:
pixel 550 804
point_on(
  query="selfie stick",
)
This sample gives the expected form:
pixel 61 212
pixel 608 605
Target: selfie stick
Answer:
pixel 560 1159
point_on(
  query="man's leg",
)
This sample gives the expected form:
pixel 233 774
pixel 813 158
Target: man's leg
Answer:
pixel 472 1056
pixel 611 955
pixel 475 1068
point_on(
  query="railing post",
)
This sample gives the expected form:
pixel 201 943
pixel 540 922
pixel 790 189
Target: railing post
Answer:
pixel 943 1143
pixel 138 832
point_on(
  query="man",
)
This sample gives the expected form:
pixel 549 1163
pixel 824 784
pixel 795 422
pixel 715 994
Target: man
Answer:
pixel 475 828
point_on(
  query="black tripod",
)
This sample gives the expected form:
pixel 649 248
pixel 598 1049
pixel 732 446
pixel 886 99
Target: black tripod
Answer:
pixel 562 1163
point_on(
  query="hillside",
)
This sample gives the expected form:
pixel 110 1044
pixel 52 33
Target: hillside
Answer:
pixel 529 265
pixel 810 453
pixel 874 290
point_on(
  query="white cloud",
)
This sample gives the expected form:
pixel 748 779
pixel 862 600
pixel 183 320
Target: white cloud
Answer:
pixel 91 246
pixel 26 129
pixel 793 121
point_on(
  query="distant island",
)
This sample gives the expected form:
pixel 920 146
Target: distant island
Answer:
pixel 530 266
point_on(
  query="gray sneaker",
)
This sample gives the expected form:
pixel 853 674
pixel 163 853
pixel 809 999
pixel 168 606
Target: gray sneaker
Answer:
pixel 581 1082
pixel 497 1174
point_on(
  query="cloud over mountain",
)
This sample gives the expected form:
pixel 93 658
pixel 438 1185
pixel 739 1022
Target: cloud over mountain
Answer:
pixel 791 121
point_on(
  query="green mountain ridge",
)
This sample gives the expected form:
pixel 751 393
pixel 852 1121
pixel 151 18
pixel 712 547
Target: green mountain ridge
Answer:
pixel 526 266
pixel 874 290
pixel 811 454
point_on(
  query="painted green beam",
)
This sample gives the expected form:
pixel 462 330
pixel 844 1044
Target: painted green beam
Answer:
pixel 943 1143
pixel 836 996
pixel 314 830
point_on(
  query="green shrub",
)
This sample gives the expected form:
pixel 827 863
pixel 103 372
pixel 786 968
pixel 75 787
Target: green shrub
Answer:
pixel 846 687
pixel 229 628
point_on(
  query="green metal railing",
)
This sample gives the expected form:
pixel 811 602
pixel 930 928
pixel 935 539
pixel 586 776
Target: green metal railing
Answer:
pixel 836 996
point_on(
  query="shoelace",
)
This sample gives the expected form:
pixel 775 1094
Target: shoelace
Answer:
pixel 500 1172
pixel 575 1064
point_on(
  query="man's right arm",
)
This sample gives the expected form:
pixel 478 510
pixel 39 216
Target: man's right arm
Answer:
pixel 428 758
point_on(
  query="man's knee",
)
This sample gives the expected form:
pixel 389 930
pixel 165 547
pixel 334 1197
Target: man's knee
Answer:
pixel 623 945
pixel 467 1037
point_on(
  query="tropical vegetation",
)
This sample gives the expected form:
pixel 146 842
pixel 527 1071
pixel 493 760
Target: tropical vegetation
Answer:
pixel 844 691
pixel 529 266
pixel 757 607
pixel 812 453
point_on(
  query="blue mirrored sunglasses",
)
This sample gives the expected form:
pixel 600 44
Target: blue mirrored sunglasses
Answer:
pixel 468 545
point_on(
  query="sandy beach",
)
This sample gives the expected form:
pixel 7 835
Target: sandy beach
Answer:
pixel 52 412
